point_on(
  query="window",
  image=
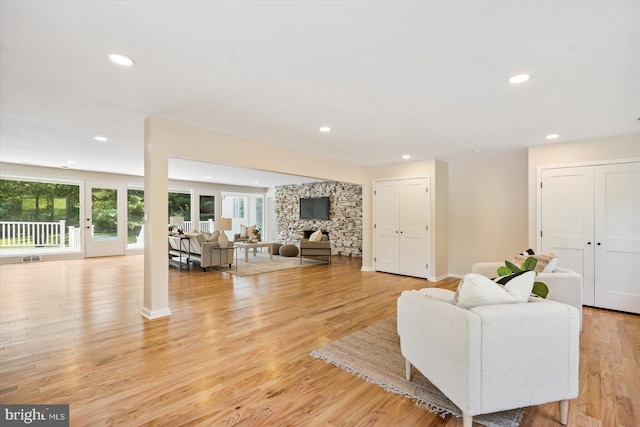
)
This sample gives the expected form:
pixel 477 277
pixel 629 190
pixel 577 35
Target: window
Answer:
pixel 245 209
pixel 31 213
pixel 238 207
pixel 207 213
pixel 179 205
pixel 135 216
pixel 260 212
pixel 104 213
pixel 207 208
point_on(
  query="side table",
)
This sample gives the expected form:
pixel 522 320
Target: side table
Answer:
pixel 184 251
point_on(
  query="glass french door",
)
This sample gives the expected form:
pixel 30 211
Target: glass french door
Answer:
pixel 104 222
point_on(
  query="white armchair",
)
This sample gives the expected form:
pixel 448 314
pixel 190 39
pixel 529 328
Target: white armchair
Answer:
pixel 564 285
pixel 494 357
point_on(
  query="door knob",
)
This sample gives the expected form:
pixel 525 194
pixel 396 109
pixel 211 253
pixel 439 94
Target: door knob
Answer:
pixel 598 243
pixel 588 243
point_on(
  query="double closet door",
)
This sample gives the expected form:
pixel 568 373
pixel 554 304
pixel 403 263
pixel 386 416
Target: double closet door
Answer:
pixel 590 217
pixel 400 227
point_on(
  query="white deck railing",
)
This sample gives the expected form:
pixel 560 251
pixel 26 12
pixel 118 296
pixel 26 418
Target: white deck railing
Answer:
pixel 206 226
pixel 52 234
pixel 40 234
pixel 74 237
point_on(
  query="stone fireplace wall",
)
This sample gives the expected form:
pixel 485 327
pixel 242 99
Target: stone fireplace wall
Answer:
pixel 345 214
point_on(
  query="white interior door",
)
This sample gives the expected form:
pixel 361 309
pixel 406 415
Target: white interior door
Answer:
pixel 386 227
pixel 104 225
pixel 617 227
pixel 413 205
pixel 567 221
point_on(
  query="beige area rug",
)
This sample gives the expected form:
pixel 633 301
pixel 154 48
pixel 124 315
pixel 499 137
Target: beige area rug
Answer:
pixel 262 264
pixel 373 354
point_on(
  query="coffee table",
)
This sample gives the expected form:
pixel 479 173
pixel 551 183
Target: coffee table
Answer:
pixel 255 246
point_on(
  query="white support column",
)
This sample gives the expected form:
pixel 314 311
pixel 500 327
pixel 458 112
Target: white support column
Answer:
pixel 367 228
pixel 156 190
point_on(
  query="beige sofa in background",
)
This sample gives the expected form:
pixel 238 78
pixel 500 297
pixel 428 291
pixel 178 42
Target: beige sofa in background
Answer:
pixel 206 253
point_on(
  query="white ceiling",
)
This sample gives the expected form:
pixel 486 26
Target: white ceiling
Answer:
pixel 427 79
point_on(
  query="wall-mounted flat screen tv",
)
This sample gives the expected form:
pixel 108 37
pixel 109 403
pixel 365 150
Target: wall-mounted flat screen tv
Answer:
pixel 314 208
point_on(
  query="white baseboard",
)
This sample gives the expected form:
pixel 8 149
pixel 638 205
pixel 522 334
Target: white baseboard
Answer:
pixel 438 278
pixel 155 314
pixel 367 269
pixel 457 276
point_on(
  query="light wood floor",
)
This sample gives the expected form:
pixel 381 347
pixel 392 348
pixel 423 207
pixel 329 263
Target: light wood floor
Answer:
pixel 235 351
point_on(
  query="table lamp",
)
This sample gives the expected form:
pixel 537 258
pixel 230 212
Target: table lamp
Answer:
pixel 176 222
pixel 223 224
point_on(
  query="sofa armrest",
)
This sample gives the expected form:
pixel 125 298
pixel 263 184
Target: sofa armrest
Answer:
pixel 440 339
pixel 213 255
pixel 564 286
pixel 529 353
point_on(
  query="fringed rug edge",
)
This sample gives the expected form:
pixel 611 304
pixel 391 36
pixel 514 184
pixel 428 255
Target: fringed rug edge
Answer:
pixel 419 402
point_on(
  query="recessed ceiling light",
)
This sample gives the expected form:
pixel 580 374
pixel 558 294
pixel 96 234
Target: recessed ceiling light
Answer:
pixel 121 60
pixel 406 156
pixel 256 182
pixel 553 136
pixel 71 162
pixel 100 138
pixel 325 129
pixel 207 177
pixel 477 150
pixel 520 78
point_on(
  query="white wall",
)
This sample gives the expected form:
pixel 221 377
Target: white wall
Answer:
pixel 487 210
pixel 493 201
pixel 270 214
pixel 441 183
pixel 589 151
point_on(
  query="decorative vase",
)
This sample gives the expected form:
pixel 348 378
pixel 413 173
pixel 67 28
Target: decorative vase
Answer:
pixel 223 240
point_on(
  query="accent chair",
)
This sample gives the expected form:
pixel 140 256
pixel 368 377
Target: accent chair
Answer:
pixel 493 357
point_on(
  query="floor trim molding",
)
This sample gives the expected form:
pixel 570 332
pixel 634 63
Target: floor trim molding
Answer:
pixel 155 314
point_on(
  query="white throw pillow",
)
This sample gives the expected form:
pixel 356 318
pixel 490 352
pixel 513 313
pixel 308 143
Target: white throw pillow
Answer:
pixel 213 237
pixel 475 290
pixel 520 287
pixel 316 236
pixel 551 266
pixel 247 231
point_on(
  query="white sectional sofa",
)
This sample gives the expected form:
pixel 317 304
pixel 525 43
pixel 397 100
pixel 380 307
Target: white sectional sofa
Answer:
pixel 564 285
